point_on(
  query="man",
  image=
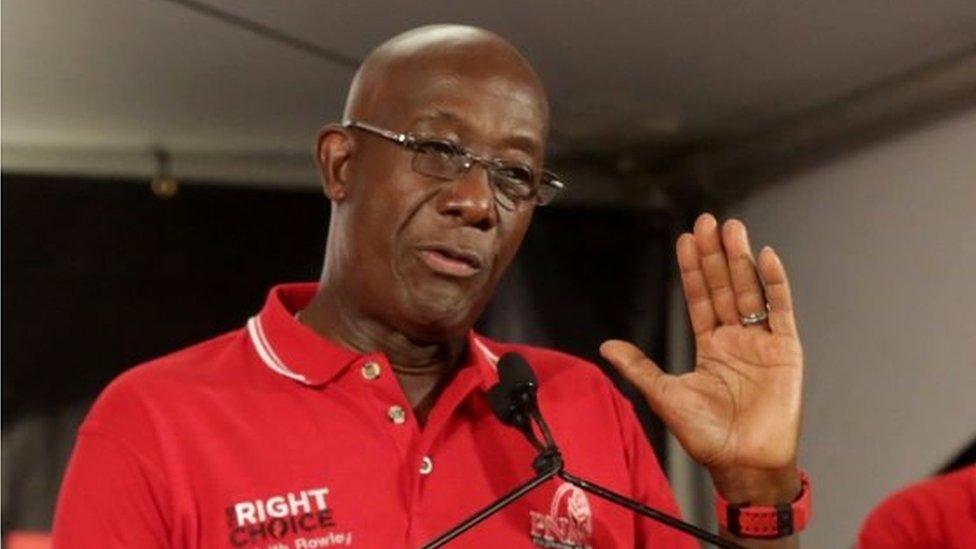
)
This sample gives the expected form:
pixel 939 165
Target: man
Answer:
pixel 353 412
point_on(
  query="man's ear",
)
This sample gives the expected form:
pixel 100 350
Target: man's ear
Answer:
pixel 333 153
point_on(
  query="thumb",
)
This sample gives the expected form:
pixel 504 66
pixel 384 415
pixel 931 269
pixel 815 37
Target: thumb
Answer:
pixel 634 365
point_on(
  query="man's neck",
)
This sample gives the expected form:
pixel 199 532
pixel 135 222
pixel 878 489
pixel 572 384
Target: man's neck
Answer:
pixel 421 368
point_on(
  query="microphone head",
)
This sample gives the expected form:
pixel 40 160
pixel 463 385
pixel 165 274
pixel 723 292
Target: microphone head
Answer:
pixel 514 371
pixel 515 379
pixel 502 404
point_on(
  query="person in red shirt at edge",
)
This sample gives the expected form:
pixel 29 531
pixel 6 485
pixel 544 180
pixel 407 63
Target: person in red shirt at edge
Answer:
pixel 937 513
pixel 353 412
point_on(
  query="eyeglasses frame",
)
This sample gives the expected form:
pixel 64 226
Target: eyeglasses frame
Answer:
pixel 412 142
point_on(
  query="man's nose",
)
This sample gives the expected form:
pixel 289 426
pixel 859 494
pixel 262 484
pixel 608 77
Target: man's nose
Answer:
pixel 470 198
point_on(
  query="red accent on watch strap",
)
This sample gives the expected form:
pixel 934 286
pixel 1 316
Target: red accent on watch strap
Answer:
pixel 766 521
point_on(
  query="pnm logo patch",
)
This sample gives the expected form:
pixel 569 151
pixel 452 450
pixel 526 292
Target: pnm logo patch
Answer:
pixel 569 523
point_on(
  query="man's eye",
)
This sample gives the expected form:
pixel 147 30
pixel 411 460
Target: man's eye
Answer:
pixel 445 148
pixel 515 182
pixel 518 174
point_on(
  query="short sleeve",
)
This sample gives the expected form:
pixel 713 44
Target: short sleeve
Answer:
pixel 111 497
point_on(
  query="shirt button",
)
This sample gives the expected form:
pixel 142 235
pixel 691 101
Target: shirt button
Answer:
pixel 371 370
pixel 426 466
pixel 397 415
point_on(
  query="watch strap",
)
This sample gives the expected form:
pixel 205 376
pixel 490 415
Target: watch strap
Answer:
pixel 766 521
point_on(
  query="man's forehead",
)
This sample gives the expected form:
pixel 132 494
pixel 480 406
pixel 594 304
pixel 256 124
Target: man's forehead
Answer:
pixel 457 76
pixel 524 134
pixel 504 108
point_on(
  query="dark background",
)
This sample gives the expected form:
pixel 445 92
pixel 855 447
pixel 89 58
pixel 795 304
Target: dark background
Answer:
pixel 100 275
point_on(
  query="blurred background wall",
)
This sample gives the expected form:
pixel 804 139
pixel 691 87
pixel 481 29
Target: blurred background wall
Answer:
pixel 841 132
pixel 881 244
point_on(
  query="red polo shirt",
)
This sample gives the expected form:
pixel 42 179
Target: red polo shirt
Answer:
pixel 937 513
pixel 272 437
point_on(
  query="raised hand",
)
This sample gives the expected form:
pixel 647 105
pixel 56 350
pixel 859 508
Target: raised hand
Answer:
pixel 738 412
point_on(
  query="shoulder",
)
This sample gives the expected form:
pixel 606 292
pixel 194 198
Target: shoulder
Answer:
pixel 922 511
pixel 198 363
pixel 560 375
pixel 548 363
pixel 932 494
pixel 585 410
pixel 144 390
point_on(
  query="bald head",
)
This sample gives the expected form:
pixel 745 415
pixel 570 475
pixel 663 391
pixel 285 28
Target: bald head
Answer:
pixel 411 247
pixel 395 76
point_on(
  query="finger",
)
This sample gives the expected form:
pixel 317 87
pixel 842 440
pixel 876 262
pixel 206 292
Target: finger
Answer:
pixel 716 268
pixel 636 368
pixel 748 289
pixel 778 296
pixel 700 308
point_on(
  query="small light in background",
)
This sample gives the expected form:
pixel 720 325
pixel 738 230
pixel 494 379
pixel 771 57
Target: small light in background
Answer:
pixel 163 185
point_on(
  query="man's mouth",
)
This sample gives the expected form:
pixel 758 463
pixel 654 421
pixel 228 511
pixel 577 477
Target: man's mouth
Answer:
pixel 451 261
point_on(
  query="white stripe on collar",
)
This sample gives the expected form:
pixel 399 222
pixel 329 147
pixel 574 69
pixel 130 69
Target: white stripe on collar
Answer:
pixel 490 356
pixel 273 362
pixel 267 354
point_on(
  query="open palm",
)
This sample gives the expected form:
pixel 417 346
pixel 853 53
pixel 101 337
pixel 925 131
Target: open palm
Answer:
pixel 740 407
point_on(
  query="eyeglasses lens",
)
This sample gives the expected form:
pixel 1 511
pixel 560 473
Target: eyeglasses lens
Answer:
pixel 438 160
pixel 512 183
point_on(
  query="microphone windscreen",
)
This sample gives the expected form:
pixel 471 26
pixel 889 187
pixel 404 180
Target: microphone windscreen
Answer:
pixel 500 400
pixel 513 370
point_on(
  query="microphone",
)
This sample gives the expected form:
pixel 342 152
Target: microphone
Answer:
pixel 515 403
pixel 515 389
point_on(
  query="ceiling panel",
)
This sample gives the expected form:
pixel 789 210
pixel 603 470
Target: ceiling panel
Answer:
pixel 680 66
pixel 143 73
pixel 139 73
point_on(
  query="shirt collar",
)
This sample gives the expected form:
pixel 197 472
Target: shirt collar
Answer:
pixel 293 350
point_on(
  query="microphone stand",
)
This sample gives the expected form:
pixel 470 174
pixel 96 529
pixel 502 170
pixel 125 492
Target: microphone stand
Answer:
pixel 520 410
pixel 549 464
pixel 648 512
pixel 553 466
pixel 613 497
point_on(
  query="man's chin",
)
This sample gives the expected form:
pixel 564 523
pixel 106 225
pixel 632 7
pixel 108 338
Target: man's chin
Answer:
pixel 438 315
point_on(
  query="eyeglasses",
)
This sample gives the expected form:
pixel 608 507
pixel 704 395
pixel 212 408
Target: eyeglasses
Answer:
pixel 446 160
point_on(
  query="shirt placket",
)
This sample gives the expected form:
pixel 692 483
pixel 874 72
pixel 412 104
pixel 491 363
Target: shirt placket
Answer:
pixel 425 450
pixel 393 411
pixel 416 447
